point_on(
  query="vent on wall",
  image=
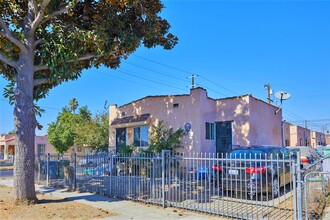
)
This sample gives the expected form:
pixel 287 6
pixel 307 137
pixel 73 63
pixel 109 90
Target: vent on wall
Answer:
pixel 176 105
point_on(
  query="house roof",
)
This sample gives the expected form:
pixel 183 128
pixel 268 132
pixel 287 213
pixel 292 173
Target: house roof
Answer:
pixel 10 139
pixel 130 119
pixel 182 95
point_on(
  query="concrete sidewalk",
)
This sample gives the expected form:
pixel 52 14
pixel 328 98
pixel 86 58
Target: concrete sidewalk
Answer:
pixel 125 209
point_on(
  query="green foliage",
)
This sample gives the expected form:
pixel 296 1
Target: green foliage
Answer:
pixel 61 133
pixel 73 104
pixel 72 35
pixel 164 139
pixel 79 129
pixel 126 149
pixel 44 43
pixel 93 132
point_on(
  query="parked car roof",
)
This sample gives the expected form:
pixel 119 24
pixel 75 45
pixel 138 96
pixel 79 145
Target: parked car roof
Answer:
pixel 250 152
pixel 304 150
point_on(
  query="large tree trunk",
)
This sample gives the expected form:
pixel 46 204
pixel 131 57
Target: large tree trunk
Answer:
pixel 25 124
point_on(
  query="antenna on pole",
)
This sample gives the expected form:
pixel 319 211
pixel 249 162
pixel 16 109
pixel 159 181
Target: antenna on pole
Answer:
pixel 267 86
pixel 281 95
pixel 193 76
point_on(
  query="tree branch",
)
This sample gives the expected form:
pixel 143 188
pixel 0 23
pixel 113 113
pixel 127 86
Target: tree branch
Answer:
pixel 37 42
pixel 35 6
pixel 37 82
pixel 40 68
pixel 58 12
pixel 4 59
pixel 7 34
pixel 39 16
pixel 86 57
pixel 54 14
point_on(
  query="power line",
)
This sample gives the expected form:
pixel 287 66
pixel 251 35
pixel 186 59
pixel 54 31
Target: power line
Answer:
pixel 44 107
pixel 147 78
pixel 127 80
pixel 172 67
pixel 164 74
pixel 319 120
pixel 218 85
pixel 212 90
pixel 178 69
pixel 160 83
pixel 293 115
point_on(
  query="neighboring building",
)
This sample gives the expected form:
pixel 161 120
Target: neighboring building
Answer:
pixel 299 136
pixel 212 125
pixel 42 147
pixel 317 138
pixel 327 139
pixel 81 150
pixel 287 134
pixel 7 146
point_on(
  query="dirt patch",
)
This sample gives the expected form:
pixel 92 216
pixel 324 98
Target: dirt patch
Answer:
pixel 48 207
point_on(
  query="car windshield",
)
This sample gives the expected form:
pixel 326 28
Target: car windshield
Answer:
pixel 247 154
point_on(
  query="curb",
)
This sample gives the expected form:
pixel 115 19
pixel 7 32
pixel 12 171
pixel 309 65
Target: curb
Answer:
pixel 6 168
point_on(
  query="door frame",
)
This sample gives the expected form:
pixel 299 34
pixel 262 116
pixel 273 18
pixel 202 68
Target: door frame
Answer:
pixel 216 134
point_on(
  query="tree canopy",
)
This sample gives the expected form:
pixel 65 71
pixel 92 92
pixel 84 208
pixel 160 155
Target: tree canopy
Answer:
pixel 71 35
pixel 73 104
pixel 44 43
pixel 79 129
pixel 95 132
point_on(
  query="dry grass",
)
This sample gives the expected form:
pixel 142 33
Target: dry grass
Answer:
pixel 48 207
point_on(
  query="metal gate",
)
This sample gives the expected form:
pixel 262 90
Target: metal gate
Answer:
pixel 200 182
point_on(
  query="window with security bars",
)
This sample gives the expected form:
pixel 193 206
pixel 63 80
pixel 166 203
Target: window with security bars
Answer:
pixel 141 138
pixel 209 128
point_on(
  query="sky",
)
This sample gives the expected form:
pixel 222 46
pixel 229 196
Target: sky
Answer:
pixel 234 47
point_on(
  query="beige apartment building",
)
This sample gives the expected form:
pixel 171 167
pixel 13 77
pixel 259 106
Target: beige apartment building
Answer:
pixel 212 125
pixel 327 139
pixel 317 138
pixel 299 136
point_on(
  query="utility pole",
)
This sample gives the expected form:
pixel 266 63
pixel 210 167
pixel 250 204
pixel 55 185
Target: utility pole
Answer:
pixel 193 76
pixel 267 86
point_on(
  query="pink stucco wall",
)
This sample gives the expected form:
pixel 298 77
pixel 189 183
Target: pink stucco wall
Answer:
pixel 253 120
pixel 44 140
pixel 287 137
pixel 265 125
pixel 161 108
pixel 299 136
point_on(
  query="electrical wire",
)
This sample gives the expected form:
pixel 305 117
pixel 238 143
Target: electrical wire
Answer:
pixel 154 71
pixel 289 113
pixel 160 83
pixel 175 68
pixel 210 81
